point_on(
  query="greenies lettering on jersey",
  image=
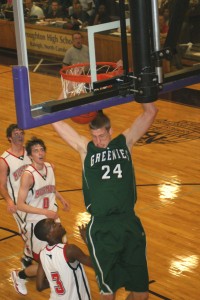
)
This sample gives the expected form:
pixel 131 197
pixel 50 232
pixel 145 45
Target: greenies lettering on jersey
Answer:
pixel 109 155
pixel 108 179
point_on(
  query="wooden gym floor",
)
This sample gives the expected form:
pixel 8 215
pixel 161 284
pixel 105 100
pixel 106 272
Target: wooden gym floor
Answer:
pixel 167 164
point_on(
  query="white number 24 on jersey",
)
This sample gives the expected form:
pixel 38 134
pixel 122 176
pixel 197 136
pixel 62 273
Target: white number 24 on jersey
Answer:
pixel 108 172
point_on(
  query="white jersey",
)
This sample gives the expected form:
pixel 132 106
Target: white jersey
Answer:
pixel 41 195
pixel 67 280
pixel 16 166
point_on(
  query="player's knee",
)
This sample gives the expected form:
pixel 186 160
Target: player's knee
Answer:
pixel 138 296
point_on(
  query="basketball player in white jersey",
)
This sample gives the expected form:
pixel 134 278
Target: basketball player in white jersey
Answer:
pixel 37 199
pixel 60 266
pixel 12 165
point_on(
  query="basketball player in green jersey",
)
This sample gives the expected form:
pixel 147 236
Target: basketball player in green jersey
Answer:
pixel 115 236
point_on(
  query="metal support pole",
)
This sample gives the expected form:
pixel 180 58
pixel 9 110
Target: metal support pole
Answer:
pixel 123 36
pixel 20 33
pixel 21 37
pixel 147 81
pixel 156 38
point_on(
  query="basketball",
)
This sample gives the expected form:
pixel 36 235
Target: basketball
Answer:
pixel 85 118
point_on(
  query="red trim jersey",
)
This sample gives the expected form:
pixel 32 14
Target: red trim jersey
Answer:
pixel 67 280
pixel 41 195
pixel 16 166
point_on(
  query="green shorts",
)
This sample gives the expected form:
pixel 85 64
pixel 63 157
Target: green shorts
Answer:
pixel 117 246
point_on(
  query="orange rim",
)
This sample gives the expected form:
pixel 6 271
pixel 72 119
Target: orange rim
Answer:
pixel 87 78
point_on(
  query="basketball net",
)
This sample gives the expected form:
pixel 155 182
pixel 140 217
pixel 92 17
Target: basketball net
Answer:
pixel 76 79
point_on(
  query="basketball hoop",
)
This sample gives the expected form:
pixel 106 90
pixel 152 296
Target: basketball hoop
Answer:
pixel 76 79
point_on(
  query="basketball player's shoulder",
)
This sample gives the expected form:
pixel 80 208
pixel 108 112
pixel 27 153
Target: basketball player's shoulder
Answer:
pixel 85 46
pixel 30 171
pixel 82 147
pixel 49 165
pixel 4 154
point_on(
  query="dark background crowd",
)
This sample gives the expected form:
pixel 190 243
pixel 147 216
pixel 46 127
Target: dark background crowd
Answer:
pixel 81 13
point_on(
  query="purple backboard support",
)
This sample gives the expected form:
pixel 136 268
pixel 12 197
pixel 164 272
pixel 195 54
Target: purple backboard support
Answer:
pixel 177 84
pixel 25 118
pixel 24 110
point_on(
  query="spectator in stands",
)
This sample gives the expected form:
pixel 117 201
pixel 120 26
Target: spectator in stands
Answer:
pixel 87 6
pixel 6 10
pixel 33 10
pixel 55 12
pixel 65 5
pixel 78 53
pixel 163 28
pixel 167 4
pixel 166 15
pixel 101 16
pixel 72 8
pixel 6 5
pixel 79 18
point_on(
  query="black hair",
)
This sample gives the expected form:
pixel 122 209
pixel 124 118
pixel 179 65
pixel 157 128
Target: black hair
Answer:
pixel 32 142
pixel 10 129
pixel 76 33
pixel 100 121
pixel 41 230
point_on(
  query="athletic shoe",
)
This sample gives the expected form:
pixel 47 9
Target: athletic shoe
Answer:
pixel 26 262
pixel 19 284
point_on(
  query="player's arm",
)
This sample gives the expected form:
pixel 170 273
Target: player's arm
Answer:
pixel 3 187
pixel 25 185
pixel 65 203
pixel 41 280
pixel 82 230
pixel 75 253
pixel 70 135
pixel 141 124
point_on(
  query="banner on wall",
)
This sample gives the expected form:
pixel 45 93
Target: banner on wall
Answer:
pixel 48 42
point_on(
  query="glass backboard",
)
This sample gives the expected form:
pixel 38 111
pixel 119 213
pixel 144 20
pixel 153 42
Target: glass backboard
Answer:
pixel 41 47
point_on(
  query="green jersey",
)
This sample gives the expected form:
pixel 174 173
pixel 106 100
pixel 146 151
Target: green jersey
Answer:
pixel 108 179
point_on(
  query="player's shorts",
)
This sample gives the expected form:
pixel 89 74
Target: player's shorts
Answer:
pixel 117 245
pixel 19 218
pixel 33 246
